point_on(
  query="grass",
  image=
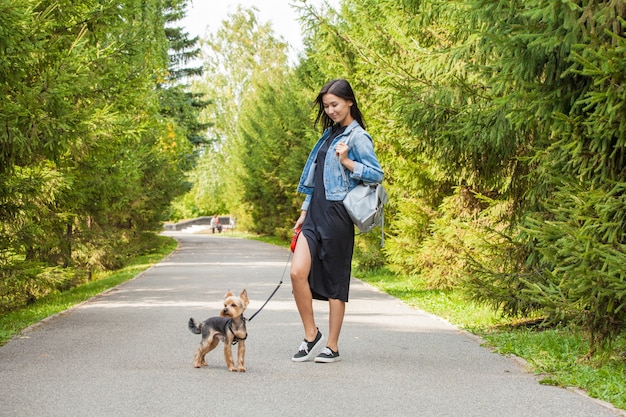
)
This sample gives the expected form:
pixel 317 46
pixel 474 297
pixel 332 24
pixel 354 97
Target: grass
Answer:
pixel 557 354
pixel 554 354
pixel 12 323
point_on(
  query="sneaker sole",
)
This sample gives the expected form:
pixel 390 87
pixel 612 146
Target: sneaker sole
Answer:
pixel 328 360
pixel 313 352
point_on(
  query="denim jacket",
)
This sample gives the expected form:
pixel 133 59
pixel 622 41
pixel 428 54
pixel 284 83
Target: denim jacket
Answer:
pixel 361 151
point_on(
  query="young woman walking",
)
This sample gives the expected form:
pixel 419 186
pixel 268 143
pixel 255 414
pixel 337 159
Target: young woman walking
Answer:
pixel 322 260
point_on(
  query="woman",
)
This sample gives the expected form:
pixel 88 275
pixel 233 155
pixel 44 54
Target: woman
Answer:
pixel 321 263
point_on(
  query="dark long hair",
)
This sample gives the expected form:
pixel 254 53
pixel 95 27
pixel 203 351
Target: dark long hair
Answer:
pixel 341 88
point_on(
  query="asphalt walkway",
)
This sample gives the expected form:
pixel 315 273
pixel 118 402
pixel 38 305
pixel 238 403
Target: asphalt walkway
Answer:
pixel 128 352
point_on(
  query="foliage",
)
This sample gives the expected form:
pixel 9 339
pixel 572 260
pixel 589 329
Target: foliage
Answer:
pixel 89 158
pixel 566 65
pixel 368 251
pixel 257 112
pixel 177 103
pixel 582 247
pixel 151 250
pixel 274 137
pixel 500 128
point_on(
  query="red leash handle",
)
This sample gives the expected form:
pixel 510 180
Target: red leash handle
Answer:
pixel 294 239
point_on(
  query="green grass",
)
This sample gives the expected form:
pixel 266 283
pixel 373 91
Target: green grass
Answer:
pixel 558 355
pixel 272 240
pixel 555 354
pixel 12 323
pixel 449 304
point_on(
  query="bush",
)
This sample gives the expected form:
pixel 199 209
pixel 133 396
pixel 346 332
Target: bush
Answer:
pixel 25 282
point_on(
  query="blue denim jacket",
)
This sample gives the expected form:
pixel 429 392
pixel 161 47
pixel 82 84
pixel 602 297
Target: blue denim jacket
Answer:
pixel 361 151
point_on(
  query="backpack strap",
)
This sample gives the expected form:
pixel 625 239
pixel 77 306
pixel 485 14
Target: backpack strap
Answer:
pixel 382 227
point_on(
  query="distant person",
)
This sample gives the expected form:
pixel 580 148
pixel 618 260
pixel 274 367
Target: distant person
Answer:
pixel 215 224
pixel 322 261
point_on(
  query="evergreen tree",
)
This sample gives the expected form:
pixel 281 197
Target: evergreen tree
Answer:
pixel 240 49
pixel 177 102
pixel 495 119
pixel 276 143
pixel 88 162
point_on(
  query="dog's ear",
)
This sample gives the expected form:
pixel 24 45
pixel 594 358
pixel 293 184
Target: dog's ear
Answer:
pixel 244 297
pixel 229 294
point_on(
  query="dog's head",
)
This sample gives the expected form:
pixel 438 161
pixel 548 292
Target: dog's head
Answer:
pixel 235 306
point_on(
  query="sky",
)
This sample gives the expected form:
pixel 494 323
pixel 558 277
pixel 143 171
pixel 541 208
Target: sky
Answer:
pixel 205 16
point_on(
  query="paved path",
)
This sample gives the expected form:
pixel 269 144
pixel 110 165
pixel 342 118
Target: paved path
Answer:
pixel 129 353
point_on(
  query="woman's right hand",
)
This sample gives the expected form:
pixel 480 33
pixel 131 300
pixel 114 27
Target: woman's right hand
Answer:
pixel 300 220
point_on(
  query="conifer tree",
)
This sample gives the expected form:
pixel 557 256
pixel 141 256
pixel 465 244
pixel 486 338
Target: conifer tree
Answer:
pixel 88 162
pixel 503 140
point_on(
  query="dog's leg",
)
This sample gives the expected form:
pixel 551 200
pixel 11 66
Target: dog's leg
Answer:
pixel 241 352
pixel 213 345
pixel 198 357
pixel 228 354
pixel 206 345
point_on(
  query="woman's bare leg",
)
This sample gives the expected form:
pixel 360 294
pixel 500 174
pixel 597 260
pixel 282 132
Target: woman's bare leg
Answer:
pixel 300 268
pixel 335 320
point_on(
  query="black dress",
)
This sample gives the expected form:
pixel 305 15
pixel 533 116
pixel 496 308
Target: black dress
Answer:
pixel 329 232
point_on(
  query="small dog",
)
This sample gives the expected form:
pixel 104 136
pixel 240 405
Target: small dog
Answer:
pixel 229 327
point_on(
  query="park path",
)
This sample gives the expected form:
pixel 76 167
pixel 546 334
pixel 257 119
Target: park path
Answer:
pixel 128 352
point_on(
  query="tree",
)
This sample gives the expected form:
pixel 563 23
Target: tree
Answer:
pixel 276 134
pixel 494 119
pixel 88 160
pixel 240 50
pixel 177 102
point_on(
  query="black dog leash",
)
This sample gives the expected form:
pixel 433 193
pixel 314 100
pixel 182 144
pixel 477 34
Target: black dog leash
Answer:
pixel 275 289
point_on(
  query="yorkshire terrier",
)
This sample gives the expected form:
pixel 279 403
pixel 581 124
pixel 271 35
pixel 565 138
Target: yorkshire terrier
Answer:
pixel 229 327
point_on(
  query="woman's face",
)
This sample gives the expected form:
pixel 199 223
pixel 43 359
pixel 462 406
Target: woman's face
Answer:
pixel 338 109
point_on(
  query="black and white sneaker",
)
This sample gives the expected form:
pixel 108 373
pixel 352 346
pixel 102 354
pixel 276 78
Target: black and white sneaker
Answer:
pixel 308 349
pixel 327 356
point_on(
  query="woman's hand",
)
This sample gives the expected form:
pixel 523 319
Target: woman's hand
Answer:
pixel 300 220
pixel 342 152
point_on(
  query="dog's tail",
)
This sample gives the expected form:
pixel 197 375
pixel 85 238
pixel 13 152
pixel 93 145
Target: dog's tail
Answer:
pixel 194 327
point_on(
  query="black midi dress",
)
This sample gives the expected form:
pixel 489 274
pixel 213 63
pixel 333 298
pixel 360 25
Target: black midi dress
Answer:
pixel 329 232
